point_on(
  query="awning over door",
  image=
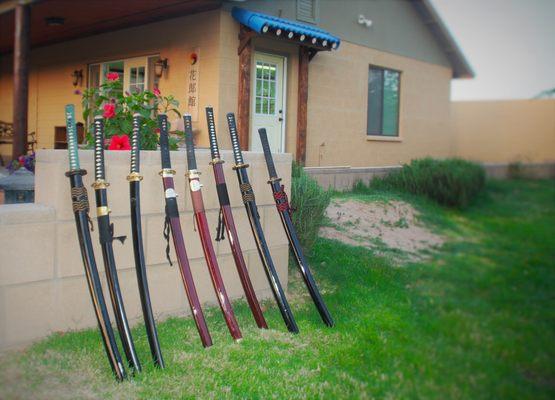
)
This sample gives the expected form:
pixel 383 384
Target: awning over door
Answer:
pixel 303 34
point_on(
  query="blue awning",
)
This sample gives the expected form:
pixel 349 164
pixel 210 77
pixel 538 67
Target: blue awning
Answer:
pixel 267 24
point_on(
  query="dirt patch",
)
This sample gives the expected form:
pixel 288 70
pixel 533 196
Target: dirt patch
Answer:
pixel 387 227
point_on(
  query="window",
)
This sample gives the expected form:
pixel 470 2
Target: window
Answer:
pixel 136 74
pixel 266 83
pixel 307 11
pixel 383 102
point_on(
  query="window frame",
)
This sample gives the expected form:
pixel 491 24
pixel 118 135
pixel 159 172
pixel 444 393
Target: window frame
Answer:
pixel 380 135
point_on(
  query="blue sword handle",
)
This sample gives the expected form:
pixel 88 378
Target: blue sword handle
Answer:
pixel 71 131
pixel 234 138
pixel 214 150
pixel 99 171
pixel 136 143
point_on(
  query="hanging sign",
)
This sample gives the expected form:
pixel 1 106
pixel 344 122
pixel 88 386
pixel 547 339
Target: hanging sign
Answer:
pixel 192 85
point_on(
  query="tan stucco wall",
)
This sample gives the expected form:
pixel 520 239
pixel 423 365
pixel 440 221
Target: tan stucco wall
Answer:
pixel 42 284
pixel 50 86
pixel 505 131
pixel 337 109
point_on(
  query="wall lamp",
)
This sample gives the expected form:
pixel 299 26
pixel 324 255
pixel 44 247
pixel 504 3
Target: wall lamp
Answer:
pixel 160 66
pixel 77 76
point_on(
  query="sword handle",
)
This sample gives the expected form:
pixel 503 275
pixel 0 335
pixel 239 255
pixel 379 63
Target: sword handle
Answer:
pixel 237 155
pixel 71 131
pixel 136 143
pixel 191 159
pixel 214 150
pixel 267 153
pixel 99 171
pixel 164 141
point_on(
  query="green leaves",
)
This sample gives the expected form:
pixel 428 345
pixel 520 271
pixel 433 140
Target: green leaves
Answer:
pixel 146 103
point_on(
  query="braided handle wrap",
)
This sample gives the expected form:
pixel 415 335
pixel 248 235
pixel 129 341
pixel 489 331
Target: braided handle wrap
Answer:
pixel 164 141
pixel 71 130
pixel 237 155
pixel 99 172
pixel 214 150
pixel 136 143
pixel 267 153
pixel 191 159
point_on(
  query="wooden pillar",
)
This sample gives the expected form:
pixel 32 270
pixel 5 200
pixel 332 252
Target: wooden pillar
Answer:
pixel 244 98
pixel 304 58
pixel 20 79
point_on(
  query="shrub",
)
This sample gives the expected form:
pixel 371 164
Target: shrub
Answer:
pixel 309 201
pixel 451 182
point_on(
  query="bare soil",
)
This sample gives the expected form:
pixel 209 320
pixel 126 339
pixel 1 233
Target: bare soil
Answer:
pixel 389 228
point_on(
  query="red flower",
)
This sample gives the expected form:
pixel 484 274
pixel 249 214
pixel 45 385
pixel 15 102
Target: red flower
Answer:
pixel 109 110
pixel 21 160
pixel 156 92
pixel 112 76
pixel 119 143
pixel 157 131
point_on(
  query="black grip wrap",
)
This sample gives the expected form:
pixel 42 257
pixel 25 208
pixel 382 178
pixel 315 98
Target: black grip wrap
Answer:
pixel 214 149
pixel 237 155
pixel 171 208
pixel 164 141
pixel 267 153
pixel 191 159
pixel 136 143
pixel 99 171
pixel 223 196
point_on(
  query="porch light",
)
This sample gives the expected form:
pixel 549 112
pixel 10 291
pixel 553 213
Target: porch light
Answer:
pixel 77 76
pixel 302 38
pixel 278 32
pixel 290 35
pixel 334 46
pixel 160 66
pixel 265 28
pixel 325 43
pixel 314 40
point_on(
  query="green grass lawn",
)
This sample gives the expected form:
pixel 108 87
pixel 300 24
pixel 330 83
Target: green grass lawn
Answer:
pixel 476 321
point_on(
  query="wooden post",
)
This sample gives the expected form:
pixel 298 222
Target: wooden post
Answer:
pixel 304 58
pixel 244 98
pixel 20 79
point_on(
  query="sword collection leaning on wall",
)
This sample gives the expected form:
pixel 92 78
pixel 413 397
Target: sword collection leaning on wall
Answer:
pixel 172 227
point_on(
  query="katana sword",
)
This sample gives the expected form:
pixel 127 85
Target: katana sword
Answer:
pixel 204 232
pixel 172 223
pixel 134 179
pixel 284 211
pixel 80 203
pixel 254 219
pixel 106 236
pixel 226 218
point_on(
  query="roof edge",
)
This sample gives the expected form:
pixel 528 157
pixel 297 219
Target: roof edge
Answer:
pixel 431 18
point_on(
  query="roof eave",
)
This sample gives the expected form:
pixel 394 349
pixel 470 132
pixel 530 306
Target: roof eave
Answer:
pixel 430 17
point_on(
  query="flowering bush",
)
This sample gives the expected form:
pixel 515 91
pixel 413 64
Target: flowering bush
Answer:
pixel 27 162
pixel 117 107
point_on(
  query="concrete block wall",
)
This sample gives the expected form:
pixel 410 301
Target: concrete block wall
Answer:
pixel 42 283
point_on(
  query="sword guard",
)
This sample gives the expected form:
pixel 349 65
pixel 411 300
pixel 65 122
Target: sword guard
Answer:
pixel 239 166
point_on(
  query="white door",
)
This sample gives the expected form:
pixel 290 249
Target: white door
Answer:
pixel 135 77
pixel 268 101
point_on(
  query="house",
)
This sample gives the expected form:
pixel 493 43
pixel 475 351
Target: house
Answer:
pixel 360 83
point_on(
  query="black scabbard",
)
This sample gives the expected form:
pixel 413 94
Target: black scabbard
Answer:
pixel 106 236
pixel 254 220
pixel 134 179
pixel 284 211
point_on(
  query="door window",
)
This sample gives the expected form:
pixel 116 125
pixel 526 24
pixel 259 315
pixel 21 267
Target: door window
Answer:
pixel 266 84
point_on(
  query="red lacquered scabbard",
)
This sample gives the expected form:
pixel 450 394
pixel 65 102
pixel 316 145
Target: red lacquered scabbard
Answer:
pixel 172 219
pixel 225 210
pixel 204 233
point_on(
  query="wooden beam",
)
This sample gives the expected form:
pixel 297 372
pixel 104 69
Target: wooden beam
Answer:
pixel 20 79
pixel 304 58
pixel 244 98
